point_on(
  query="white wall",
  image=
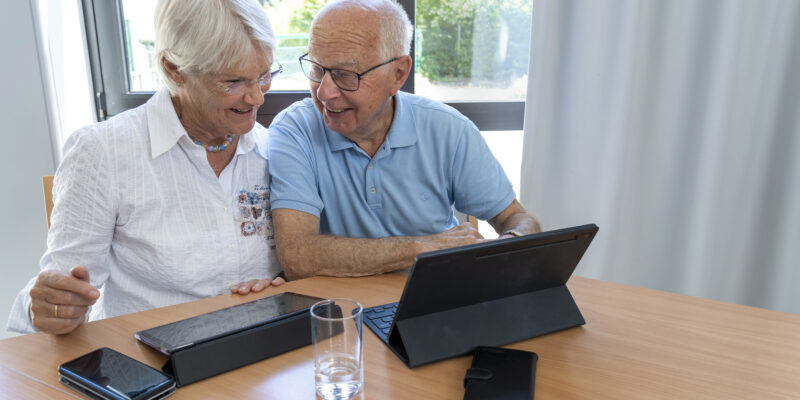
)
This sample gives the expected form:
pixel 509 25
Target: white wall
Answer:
pixel 26 154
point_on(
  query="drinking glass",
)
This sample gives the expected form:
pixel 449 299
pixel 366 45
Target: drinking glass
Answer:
pixel 338 359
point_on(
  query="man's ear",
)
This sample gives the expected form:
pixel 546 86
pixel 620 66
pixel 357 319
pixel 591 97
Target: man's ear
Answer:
pixel 172 71
pixel 402 67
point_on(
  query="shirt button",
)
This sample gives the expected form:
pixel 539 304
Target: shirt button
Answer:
pixel 370 165
pixel 372 190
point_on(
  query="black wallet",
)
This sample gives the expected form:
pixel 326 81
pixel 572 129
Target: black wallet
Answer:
pixel 498 373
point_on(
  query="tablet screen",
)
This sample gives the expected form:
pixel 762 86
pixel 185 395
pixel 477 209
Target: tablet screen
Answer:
pixel 171 337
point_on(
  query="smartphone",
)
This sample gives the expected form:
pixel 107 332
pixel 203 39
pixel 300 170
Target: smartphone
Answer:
pixel 107 374
pixel 186 333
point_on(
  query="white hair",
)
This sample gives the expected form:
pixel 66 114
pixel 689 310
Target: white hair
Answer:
pixel 395 28
pixel 396 31
pixel 206 36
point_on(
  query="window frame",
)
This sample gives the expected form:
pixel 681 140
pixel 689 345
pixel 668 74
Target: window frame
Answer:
pixel 105 37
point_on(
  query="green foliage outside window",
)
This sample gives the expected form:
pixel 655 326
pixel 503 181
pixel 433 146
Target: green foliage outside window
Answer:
pixel 448 50
pixel 300 22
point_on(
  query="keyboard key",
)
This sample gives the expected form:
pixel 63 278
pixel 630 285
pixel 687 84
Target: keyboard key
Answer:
pixel 382 325
pixel 384 313
pixel 388 319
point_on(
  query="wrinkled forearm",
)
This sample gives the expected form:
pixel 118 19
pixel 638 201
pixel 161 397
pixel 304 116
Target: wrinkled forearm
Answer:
pixel 522 222
pixel 327 255
pixel 515 218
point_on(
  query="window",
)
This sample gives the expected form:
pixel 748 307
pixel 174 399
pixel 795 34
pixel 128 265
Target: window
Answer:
pixel 120 41
pixel 471 54
pixel 64 62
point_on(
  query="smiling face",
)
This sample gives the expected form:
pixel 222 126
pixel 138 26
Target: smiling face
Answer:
pixel 208 113
pixel 347 38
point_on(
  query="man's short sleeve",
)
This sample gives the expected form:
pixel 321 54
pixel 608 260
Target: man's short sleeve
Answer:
pixel 293 182
pixel 480 186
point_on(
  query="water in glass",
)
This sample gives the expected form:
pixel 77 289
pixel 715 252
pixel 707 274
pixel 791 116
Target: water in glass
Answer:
pixel 338 377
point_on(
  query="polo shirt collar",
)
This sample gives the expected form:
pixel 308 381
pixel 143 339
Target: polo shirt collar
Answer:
pixel 338 141
pixel 402 133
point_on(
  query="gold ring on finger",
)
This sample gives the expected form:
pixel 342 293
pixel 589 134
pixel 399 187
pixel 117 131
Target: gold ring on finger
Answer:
pixel 55 310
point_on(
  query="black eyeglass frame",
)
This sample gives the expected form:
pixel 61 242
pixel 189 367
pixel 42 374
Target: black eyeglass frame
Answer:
pixel 333 76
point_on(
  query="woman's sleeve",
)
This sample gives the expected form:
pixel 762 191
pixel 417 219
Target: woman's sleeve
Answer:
pixel 83 217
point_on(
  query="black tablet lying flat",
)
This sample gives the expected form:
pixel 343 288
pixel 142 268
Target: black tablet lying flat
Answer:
pixel 227 321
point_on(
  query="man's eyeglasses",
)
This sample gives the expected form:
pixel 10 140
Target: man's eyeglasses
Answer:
pixel 236 87
pixel 344 79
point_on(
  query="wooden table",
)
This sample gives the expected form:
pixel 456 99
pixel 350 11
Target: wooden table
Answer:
pixel 636 344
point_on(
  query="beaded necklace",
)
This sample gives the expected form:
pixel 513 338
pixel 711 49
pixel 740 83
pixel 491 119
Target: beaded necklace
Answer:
pixel 214 149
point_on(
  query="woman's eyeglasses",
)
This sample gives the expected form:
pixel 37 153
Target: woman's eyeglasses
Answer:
pixel 237 87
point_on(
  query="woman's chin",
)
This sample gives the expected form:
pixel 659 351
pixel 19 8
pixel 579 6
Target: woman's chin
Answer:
pixel 242 127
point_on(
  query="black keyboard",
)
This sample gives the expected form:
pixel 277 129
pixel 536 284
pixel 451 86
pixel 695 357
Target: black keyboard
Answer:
pixel 379 319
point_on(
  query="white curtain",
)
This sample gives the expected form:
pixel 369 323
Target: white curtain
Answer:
pixel 675 126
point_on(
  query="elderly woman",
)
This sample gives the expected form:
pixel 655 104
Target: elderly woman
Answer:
pixel 168 202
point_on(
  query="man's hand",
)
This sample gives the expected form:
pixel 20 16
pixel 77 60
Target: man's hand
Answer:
pixel 457 236
pixel 59 302
pixel 256 285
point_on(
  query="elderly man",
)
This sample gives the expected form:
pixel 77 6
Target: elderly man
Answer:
pixel 364 177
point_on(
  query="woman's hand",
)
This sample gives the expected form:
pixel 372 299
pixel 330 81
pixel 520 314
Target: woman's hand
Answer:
pixel 59 302
pixel 256 285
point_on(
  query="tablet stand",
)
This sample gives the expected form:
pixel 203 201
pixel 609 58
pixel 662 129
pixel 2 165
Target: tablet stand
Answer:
pixel 457 331
pixel 239 349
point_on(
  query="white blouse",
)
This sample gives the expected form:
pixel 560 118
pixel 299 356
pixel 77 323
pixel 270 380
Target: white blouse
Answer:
pixel 137 203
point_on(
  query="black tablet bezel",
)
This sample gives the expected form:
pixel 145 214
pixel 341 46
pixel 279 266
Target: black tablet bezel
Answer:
pixel 155 338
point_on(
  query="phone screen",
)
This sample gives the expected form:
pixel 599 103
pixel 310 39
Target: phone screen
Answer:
pixel 174 336
pixel 106 373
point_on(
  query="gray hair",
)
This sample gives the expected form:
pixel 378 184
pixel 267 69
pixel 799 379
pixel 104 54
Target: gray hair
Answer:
pixel 203 36
pixel 395 27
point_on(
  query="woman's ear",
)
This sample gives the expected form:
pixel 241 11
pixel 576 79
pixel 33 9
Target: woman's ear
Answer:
pixel 172 71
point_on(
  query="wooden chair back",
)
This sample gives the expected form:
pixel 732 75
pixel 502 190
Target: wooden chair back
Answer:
pixel 47 188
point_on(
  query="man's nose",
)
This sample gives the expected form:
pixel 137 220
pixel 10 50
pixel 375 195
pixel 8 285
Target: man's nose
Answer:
pixel 327 89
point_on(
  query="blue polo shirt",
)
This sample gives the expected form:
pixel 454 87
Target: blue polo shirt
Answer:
pixel 433 158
